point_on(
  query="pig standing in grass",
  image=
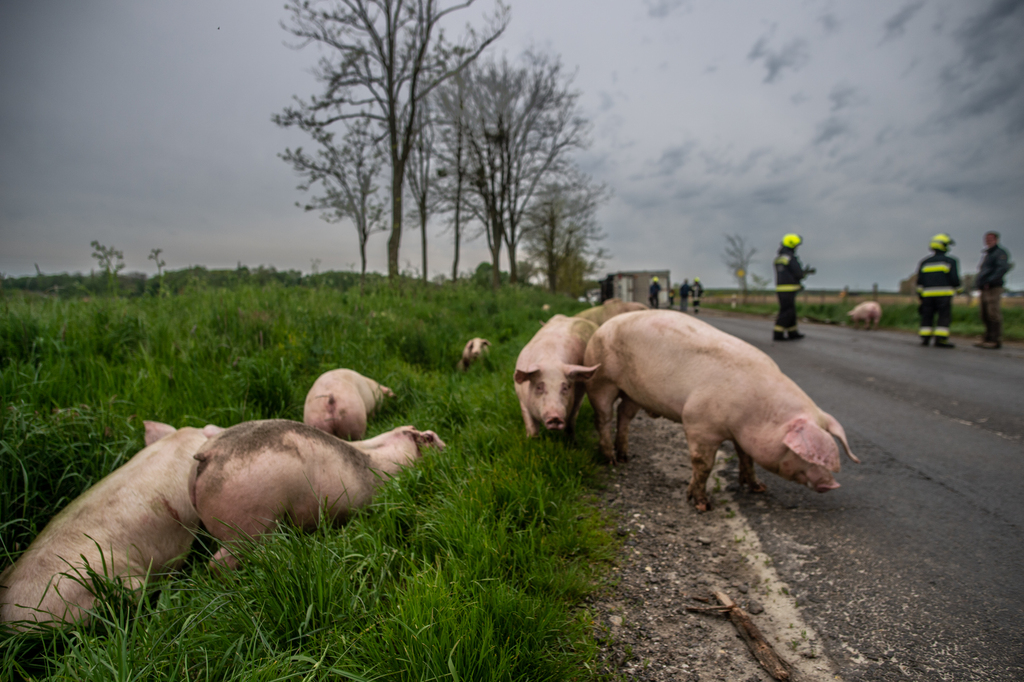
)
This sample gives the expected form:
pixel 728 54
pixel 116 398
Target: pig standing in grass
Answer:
pixel 868 312
pixel 136 521
pixel 720 388
pixel 549 374
pixel 256 474
pixel 600 314
pixel 340 401
pixel 473 349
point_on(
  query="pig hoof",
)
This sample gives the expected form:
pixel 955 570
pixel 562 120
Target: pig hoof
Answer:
pixel 757 487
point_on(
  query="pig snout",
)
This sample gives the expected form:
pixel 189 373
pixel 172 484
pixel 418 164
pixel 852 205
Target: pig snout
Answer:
pixel 427 439
pixel 554 423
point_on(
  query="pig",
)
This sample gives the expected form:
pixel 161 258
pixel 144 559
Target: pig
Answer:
pixel 600 314
pixel 254 475
pixel 340 401
pixel 548 376
pixel 136 521
pixel 474 348
pixel 868 312
pixel 720 388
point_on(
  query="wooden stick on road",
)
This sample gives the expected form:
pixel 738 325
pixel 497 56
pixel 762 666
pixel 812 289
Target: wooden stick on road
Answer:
pixel 759 646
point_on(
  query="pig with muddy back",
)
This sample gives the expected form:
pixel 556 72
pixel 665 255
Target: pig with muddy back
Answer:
pixel 549 375
pixel 136 522
pixel 720 388
pixel 258 474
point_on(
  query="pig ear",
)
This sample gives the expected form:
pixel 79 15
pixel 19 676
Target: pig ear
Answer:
pixel 157 430
pixel 210 430
pixel 428 439
pixel 812 444
pixel 527 374
pixel 580 373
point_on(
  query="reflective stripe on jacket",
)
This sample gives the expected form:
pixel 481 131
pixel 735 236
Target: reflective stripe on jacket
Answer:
pixel 788 271
pixel 938 275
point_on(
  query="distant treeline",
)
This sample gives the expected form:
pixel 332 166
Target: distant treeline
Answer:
pixel 133 284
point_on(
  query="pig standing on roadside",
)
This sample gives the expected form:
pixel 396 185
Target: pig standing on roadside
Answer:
pixel 473 349
pixel 136 521
pixel 340 401
pixel 256 474
pixel 868 312
pixel 549 376
pixel 720 388
pixel 600 314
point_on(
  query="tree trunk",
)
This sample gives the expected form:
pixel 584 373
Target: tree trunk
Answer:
pixel 457 227
pixel 395 240
pixel 423 235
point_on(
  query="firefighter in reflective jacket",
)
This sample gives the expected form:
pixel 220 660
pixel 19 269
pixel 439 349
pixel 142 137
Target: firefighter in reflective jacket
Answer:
pixel 938 279
pixel 788 273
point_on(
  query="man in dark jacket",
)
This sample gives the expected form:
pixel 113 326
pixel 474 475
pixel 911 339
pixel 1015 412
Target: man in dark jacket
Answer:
pixel 788 273
pixel 652 293
pixel 989 281
pixel 938 278
pixel 684 295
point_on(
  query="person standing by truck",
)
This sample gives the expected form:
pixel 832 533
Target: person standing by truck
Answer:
pixel 652 293
pixel 788 274
pixel 697 290
pixel 684 295
pixel 989 281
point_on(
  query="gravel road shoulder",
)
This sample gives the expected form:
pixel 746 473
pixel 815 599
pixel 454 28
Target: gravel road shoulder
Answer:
pixel 673 558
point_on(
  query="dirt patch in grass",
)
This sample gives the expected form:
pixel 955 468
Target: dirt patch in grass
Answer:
pixel 673 558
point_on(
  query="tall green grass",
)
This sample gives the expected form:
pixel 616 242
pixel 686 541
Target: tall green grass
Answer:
pixel 966 320
pixel 465 567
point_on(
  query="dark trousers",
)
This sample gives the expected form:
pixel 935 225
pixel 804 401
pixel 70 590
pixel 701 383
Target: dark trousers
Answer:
pixel 696 304
pixel 991 315
pixel 786 319
pixel 936 312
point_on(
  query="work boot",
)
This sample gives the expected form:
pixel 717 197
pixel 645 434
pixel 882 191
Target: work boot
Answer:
pixel 795 336
pixel 943 343
pixel 779 336
pixel 925 340
pixel 989 345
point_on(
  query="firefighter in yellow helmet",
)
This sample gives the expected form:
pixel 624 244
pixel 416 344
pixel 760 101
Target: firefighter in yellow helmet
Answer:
pixel 938 279
pixel 788 273
pixel 697 290
pixel 653 291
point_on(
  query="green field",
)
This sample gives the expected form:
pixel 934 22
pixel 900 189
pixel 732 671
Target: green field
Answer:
pixel 469 566
pixel 966 319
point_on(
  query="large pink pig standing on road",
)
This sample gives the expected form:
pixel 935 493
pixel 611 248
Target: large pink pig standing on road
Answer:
pixel 340 402
pixel 256 474
pixel 549 374
pixel 136 521
pixel 868 312
pixel 600 314
pixel 720 388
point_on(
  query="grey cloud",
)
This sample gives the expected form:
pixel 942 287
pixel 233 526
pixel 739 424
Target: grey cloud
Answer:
pixel 607 101
pixel 986 34
pixel 659 9
pixel 673 158
pixel 830 129
pixel 844 96
pixel 775 195
pixel 896 26
pixel 830 22
pixel 792 56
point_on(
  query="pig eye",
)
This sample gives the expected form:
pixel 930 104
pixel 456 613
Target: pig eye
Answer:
pixel 540 387
pixel 565 388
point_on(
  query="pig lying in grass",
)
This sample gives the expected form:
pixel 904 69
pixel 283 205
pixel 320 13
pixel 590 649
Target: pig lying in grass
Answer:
pixel 340 402
pixel 549 376
pixel 474 348
pixel 720 388
pixel 868 312
pixel 600 314
pixel 255 475
pixel 136 521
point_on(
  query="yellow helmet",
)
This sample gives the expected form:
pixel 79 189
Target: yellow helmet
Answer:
pixel 792 240
pixel 696 279
pixel 654 279
pixel 941 242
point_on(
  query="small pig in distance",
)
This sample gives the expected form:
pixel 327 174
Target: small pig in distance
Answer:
pixel 721 388
pixel 868 312
pixel 474 348
pixel 549 376
pixel 136 521
pixel 256 474
pixel 340 402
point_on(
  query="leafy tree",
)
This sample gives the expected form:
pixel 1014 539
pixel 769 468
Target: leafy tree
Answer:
pixel 382 58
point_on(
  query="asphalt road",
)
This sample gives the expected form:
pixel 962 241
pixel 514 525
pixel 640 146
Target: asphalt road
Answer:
pixel 914 568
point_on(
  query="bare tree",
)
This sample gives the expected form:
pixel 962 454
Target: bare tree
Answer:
pixel 737 257
pixel 453 158
pixel 523 123
pixel 383 58
pixel 560 232
pixel 420 182
pixel 348 176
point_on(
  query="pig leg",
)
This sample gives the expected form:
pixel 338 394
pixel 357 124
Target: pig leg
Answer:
pixel 602 398
pixel 570 423
pixel 748 477
pixel 702 459
pixel 531 426
pixel 627 410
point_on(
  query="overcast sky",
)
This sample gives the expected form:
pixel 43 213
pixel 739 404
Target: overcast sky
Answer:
pixel 866 126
